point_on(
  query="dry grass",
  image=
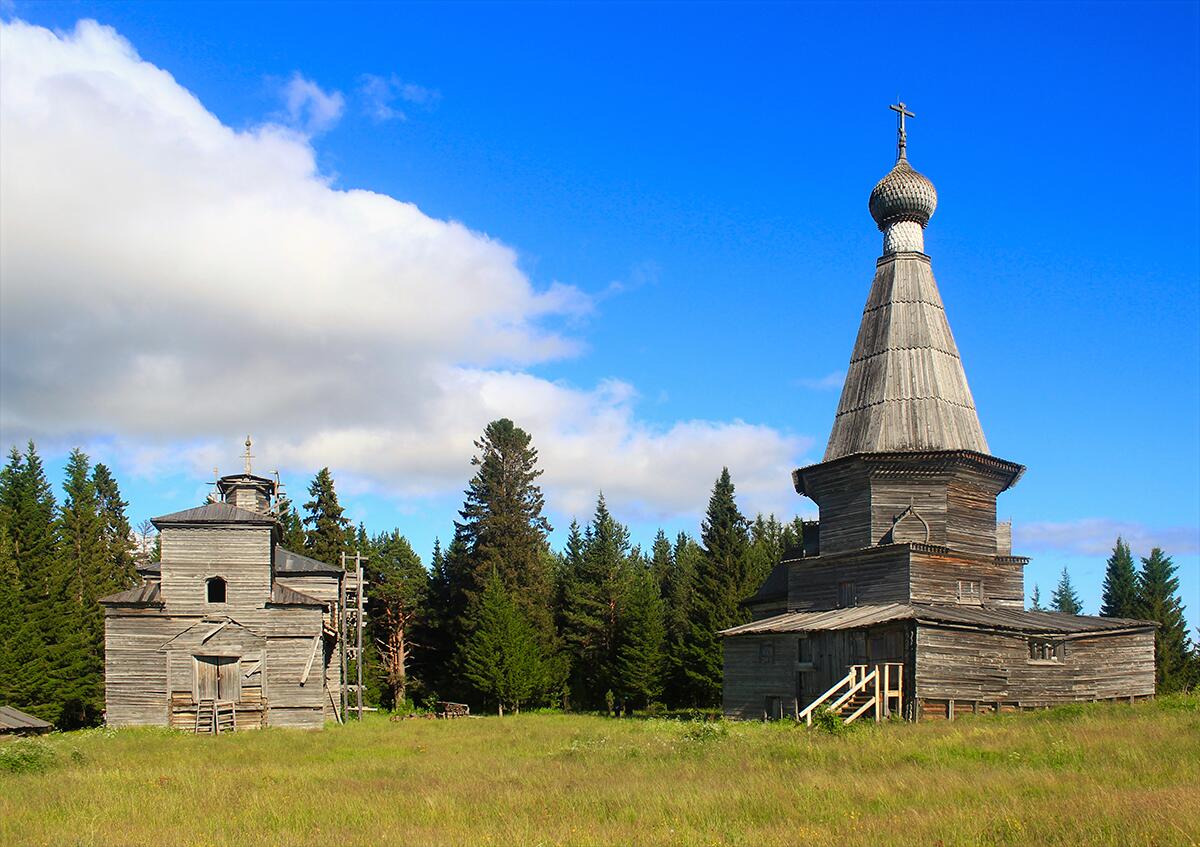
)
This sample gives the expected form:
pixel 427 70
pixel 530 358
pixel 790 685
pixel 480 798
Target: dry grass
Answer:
pixel 1097 774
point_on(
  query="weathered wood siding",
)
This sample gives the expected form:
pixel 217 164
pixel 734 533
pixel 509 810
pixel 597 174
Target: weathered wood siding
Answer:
pixel 750 678
pixel 879 574
pixel 291 702
pixel 241 555
pixel 969 665
pixel 135 669
pixel 892 495
pixel 934 578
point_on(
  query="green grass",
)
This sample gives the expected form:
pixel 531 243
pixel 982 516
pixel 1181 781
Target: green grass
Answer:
pixel 1094 774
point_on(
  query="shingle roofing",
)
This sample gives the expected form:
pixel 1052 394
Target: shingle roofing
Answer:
pixel 972 616
pixel 14 720
pixel 215 513
pixel 287 562
pixel 146 594
pixel 905 388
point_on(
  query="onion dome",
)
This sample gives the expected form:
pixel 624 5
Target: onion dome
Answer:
pixel 903 195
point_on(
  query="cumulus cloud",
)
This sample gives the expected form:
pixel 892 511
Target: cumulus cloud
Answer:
pixel 1096 536
pixel 381 93
pixel 168 283
pixel 829 382
pixel 310 108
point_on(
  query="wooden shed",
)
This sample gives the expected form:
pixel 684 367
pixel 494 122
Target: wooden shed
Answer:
pixel 906 597
pixel 15 722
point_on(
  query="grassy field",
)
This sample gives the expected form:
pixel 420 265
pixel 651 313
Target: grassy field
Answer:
pixel 1094 774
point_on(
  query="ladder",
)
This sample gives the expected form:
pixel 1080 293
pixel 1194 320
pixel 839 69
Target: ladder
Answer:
pixel 352 620
pixel 216 716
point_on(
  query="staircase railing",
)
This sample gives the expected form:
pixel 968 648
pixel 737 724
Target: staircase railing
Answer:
pixel 884 681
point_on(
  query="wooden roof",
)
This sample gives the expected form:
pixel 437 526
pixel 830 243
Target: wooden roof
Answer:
pixel 287 562
pixel 905 387
pixel 281 595
pixel 975 617
pixel 14 720
pixel 214 513
pixel 146 594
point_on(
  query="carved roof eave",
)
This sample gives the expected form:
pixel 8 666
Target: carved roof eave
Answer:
pixel 917 462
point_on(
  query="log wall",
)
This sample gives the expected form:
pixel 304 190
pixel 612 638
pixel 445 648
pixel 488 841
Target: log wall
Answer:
pixel 241 555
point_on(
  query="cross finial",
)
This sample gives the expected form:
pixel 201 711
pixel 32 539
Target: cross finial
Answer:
pixel 248 455
pixel 901 137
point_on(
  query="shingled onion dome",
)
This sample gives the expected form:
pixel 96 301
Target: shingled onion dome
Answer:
pixel 902 204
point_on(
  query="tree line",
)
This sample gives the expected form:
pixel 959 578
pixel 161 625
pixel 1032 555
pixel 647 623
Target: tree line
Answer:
pixel 498 619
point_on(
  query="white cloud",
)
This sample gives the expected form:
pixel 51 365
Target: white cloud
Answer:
pixel 309 108
pixel 829 382
pixel 379 95
pixel 1096 536
pixel 168 283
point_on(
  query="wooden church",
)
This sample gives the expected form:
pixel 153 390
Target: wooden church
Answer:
pixel 231 631
pixel 906 597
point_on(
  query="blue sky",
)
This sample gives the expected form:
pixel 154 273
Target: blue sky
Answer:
pixel 675 199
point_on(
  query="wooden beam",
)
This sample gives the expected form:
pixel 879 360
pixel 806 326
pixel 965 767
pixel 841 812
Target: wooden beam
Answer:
pixel 312 657
pixel 215 630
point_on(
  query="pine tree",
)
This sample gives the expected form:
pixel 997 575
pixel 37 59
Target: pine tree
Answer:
pixel 502 656
pixel 685 558
pixel 1120 596
pixel 640 662
pixel 717 591
pixel 398 589
pixel 293 536
pixel 77 656
pixel 1158 600
pixel 662 562
pixel 594 606
pixel 432 661
pixel 1035 601
pixel 766 551
pixel 120 572
pixel 12 613
pixel 502 523
pixel 328 530
pixel 1064 599
pixel 793 535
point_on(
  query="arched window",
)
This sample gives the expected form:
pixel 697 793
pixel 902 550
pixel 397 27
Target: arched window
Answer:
pixel 215 589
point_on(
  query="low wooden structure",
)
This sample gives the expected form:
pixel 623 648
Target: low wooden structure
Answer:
pixel 230 631
pixel 906 596
pixel 15 722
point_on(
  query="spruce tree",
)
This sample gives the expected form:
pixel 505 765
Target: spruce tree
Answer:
pixel 502 523
pixel 12 613
pixel 1119 599
pixel 594 605
pixel 502 657
pixel 120 571
pixel 293 535
pixel 396 603
pixel 662 562
pixel 719 583
pixel 793 535
pixel 766 551
pixel 77 656
pixel 640 661
pixel 1035 600
pixel 685 558
pixel 1158 600
pixel 1064 599
pixel 328 532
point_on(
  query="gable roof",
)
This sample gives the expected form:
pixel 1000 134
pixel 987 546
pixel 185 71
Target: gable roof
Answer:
pixel 215 513
pixel 905 387
pixel 146 594
pixel 14 720
pixel 287 562
pixel 975 617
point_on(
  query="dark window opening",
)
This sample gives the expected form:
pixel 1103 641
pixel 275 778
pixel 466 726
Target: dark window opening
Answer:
pixel 766 654
pixel 1045 650
pixel 215 589
pixel 804 654
pixel 847 595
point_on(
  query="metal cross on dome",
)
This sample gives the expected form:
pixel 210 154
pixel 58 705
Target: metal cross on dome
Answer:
pixel 902 112
pixel 248 456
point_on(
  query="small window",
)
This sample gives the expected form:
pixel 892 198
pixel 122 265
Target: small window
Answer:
pixel 847 595
pixel 970 591
pixel 804 651
pixel 215 589
pixel 766 654
pixel 1045 650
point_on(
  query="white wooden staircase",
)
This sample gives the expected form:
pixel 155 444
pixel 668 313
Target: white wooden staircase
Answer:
pixel 877 690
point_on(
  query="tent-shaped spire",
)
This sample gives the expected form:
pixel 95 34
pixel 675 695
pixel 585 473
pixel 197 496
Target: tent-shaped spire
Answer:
pixel 905 388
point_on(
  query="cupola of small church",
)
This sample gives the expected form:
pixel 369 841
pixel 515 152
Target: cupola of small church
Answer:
pixel 247 490
pixel 903 201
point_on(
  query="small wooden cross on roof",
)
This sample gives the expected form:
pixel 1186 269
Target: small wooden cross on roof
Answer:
pixel 902 112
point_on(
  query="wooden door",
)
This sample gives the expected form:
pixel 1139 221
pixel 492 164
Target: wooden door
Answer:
pixel 218 678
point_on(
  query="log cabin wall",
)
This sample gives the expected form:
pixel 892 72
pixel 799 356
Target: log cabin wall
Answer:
pixel 293 703
pixel 971 666
pixel 971 515
pixel 891 496
pixel 241 555
pixel 324 587
pixel 844 498
pixel 879 575
pixel 935 576
pixel 135 669
pixel 757 668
